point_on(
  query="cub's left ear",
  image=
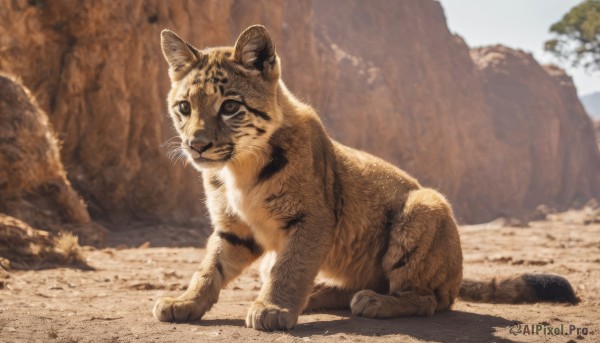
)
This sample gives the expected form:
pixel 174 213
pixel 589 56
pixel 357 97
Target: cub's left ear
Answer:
pixel 255 50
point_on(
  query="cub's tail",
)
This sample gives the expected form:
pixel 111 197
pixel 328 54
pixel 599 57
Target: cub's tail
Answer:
pixel 526 288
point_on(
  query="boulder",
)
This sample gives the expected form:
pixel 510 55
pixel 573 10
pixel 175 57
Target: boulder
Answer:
pixel 33 183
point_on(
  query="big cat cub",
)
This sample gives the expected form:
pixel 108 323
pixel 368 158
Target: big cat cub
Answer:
pixel 276 183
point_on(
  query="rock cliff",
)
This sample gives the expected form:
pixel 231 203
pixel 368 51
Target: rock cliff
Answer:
pixel 551 155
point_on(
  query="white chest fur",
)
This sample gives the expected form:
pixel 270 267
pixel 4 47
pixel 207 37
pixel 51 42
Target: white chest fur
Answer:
pixel 235 195
pixel 246 201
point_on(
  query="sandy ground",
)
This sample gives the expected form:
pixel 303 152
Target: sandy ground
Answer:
pixel 112 303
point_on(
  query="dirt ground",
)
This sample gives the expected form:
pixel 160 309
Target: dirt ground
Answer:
pixel 112 303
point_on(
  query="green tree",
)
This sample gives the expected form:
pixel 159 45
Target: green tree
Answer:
pixel 577 36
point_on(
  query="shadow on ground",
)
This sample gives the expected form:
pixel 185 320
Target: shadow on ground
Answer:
pixel 153 235
pixel 449 326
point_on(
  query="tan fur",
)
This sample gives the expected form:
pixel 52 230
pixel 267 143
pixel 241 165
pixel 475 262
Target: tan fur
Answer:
pixel 276 182
pixel 497 290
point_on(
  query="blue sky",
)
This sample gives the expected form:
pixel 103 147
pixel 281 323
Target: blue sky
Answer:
pixel 521 24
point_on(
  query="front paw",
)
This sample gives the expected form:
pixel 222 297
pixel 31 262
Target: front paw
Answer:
pixel 270 317
pixel 170 309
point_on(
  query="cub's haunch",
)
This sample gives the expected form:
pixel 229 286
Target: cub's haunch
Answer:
pixel 276 182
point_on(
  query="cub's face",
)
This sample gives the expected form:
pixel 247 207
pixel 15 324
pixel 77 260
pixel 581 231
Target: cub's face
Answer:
pixel 223 100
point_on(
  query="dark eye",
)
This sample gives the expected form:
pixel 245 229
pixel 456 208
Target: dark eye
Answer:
pixel 230 107
pixel 185 108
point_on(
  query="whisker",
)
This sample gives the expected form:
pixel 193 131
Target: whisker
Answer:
pixel 170 141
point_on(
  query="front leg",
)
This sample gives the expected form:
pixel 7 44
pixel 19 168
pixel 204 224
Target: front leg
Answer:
pixel 284 293
pixel 227 255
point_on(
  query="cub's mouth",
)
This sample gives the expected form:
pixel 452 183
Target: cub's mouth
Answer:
pixel 210 154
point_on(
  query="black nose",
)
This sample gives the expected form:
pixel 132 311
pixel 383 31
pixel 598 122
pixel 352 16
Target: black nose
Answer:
pixel 200 142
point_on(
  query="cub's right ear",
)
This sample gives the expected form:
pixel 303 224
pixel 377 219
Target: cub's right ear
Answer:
pixel 180 55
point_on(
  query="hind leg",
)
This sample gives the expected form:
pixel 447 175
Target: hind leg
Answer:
pixel 423 261
pixel 325 297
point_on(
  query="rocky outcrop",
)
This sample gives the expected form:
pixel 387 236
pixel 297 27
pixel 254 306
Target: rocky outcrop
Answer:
pixel 386 76
pixel 33 182
pixel 551 154
pixel 23 247
pixel 579 159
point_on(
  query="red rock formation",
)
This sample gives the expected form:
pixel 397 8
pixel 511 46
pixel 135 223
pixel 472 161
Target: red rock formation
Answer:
pixel 387 76
pixel 33 182
pixel 536 114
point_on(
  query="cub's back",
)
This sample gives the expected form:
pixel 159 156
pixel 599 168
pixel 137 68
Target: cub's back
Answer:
pixel 367 177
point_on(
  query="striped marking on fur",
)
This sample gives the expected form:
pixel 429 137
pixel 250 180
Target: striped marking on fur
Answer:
pixel 404 259
pixel 248 243
pixel 388 221
pixel 277 163
pixel 294 220
pixel 258 113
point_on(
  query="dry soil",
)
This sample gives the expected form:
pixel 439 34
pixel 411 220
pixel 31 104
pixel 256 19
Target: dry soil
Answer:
pixel 112 303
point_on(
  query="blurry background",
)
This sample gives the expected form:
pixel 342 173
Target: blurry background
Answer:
pixel 496 131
